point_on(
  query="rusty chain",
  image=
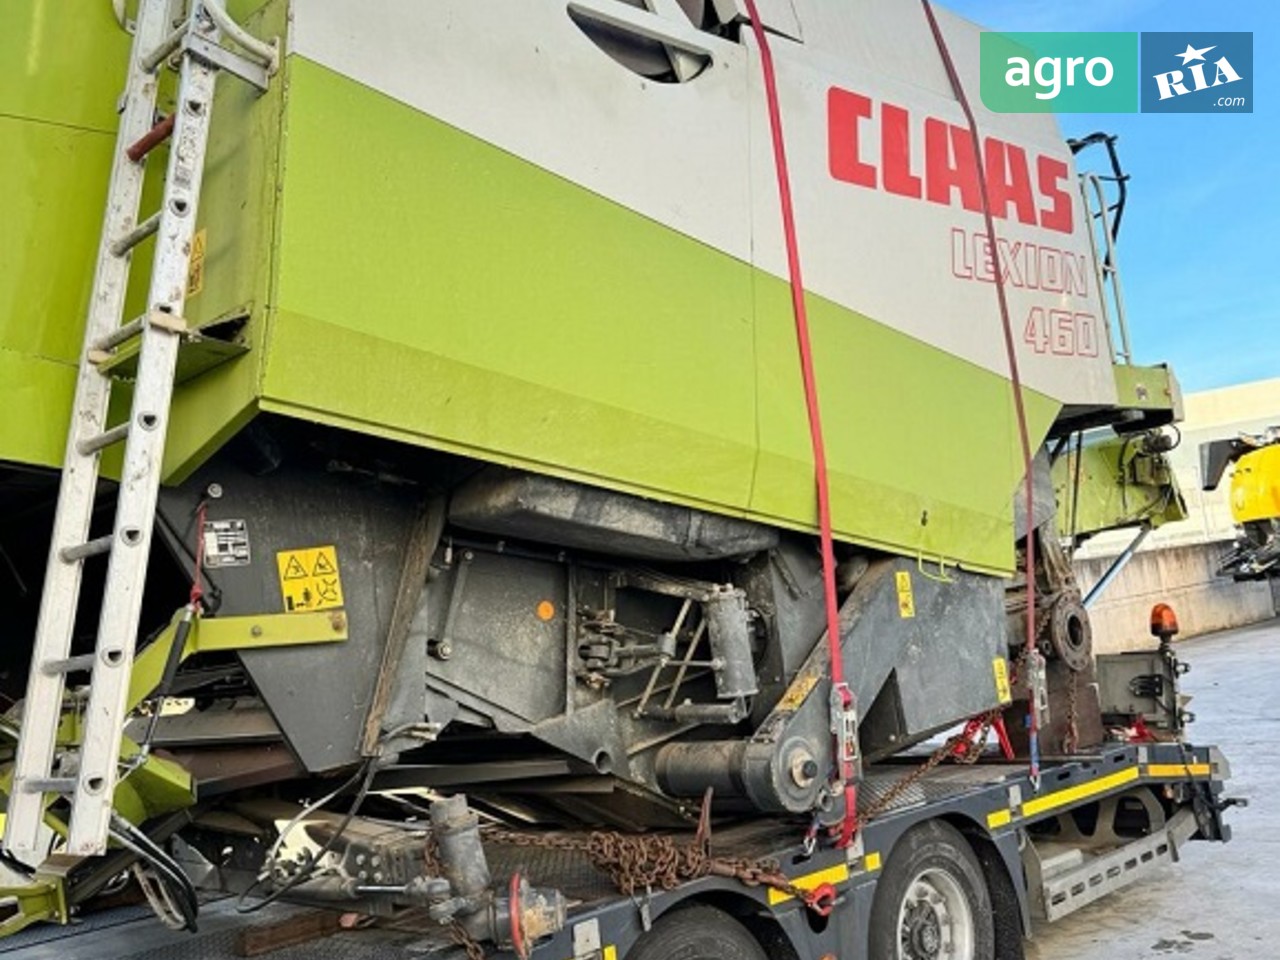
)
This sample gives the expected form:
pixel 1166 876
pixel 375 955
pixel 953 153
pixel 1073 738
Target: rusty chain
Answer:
pixel 643 863
pixel 463 938
pixel 638 864
pixel 634 864
pixel 1071 739
pixel 960 747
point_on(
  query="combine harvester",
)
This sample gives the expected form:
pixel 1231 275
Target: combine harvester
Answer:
pixel 470 517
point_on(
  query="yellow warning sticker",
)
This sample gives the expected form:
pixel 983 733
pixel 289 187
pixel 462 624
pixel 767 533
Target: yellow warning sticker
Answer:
pixel 195 271
pixel 799 691
pixel 309 579
pixel 906 600
pixel 1001 668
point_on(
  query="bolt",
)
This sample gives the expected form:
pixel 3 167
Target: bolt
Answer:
pixel 214 491
pixel 255 631
pixel 804 768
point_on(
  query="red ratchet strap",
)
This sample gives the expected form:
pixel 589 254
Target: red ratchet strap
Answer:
pixel 842 697
pixel 1024 434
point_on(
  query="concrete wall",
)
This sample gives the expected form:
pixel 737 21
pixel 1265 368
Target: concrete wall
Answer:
pixel 1182 576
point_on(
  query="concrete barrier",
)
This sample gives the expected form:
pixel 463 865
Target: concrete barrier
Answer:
pixel 1181 576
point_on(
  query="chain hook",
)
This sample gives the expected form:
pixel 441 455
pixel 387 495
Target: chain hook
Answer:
pixel 821 899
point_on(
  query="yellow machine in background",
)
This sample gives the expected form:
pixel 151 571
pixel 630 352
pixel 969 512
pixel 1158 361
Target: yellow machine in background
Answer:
pixel 1255 500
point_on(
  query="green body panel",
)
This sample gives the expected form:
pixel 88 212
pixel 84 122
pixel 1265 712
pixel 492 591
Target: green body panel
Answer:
pixel 61 72
pixel 404 279
pixel 569 334
pixel 922 447
pixel 238 216
pixel 1119 485
pixel 1148 388
pixel 57 127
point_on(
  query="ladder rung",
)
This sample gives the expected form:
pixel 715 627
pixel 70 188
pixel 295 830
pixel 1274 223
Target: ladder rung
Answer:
pixel 49 785
pixel 118 336
pixel 167 46
pixel 151 139
pixel 99 351
pixel 135 236
pixel 90 548
pixel 105 439
pixel 69 665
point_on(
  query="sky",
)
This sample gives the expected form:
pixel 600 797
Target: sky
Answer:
pixel 1199 245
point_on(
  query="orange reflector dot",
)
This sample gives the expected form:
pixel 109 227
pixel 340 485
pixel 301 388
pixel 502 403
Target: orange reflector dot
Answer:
pixel 546 610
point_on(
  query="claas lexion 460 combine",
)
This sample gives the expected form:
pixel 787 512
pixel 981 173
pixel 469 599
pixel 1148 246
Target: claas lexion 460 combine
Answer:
pixel 446 408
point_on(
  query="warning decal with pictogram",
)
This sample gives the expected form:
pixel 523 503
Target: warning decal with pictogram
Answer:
pixel 309 578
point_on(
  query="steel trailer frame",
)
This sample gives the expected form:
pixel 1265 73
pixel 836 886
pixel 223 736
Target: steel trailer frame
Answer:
pixel 991 803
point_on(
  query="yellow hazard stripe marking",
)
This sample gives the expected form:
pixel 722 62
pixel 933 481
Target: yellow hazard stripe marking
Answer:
pixel 611 952
pixel 871 862
pixel 1060 798
pixel 837 874
pixel 999 818
pixel 1178 770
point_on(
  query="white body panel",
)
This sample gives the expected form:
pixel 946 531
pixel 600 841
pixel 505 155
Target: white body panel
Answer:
pixel 696 156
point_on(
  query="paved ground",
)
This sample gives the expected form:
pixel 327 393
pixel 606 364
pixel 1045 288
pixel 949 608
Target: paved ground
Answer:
pixel 1222 902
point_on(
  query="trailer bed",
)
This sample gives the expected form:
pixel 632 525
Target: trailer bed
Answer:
pixel 998 798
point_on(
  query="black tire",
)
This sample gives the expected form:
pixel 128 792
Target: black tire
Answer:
pixel 697 933
pixel 903 927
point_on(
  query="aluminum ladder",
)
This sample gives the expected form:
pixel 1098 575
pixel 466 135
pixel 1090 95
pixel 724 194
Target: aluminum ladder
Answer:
pixel 1106 267
pixel 190 33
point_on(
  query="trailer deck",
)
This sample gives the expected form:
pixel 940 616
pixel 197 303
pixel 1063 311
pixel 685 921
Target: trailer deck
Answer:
pixel 992 800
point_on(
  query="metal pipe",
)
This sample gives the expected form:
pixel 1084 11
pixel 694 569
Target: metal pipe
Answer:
pixel 150 61
pixel 267 52
pixel 1117 565
pixel 135 236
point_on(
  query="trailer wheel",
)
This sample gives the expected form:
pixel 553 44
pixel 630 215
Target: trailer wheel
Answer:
pixel 697 933
pixel 932 902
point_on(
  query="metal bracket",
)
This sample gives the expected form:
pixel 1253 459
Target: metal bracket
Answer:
pixel 35 902
pixel 254 74
pixel 234 633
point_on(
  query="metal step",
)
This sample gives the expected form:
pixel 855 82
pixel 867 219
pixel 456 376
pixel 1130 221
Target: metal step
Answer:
pixel 1064 888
